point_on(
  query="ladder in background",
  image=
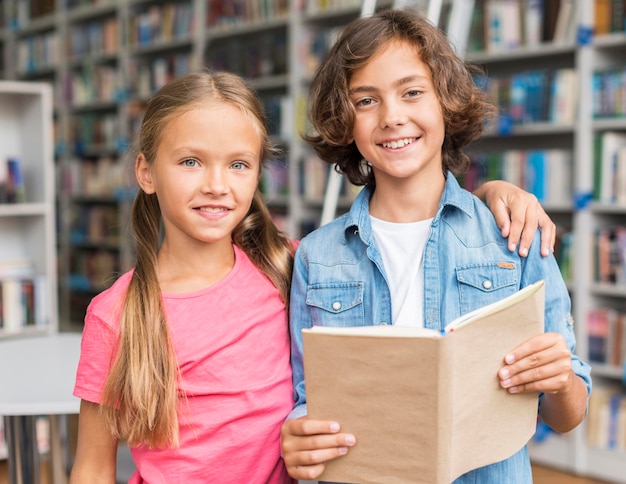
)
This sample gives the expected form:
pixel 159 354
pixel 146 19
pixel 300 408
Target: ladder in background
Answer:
pixel 458 33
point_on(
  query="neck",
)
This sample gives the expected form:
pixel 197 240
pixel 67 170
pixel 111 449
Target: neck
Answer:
pixel 406 202
pixel 193 270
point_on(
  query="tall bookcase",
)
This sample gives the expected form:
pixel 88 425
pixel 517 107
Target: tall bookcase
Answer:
pixel 28 260
pixel 106 57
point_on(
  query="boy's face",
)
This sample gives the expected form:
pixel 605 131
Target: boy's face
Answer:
pixel 399 127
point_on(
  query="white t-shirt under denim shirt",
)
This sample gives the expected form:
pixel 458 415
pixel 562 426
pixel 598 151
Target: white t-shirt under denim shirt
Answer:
pixel 402 247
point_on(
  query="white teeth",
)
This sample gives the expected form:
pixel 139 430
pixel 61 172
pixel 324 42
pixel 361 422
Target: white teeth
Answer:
pixel 212 210
pixel 401 143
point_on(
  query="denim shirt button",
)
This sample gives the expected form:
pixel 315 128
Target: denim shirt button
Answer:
pixel 487 284
pixel 383 323
pixel 336 305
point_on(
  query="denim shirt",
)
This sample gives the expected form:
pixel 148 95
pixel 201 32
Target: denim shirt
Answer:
pixel 339 280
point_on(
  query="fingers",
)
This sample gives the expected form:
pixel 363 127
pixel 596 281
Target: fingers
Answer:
pixel 503 219
pixel 541 364
pixel 308 444
pixel 527 225
pixel 548 233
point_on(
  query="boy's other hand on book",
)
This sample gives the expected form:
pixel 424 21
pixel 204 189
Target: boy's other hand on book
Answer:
pixel 540 364
pixel 308 444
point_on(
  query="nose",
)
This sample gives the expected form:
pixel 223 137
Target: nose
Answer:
pixel 215 181
pixel 392 113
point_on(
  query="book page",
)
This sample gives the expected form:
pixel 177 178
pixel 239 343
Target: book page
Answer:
pixel 489 424
pixel 382 330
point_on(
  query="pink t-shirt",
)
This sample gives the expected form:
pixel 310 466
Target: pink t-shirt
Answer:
pixel 232 345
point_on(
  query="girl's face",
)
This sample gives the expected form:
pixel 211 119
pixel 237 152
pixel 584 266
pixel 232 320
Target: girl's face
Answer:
pixel 398 127
pixel 205 174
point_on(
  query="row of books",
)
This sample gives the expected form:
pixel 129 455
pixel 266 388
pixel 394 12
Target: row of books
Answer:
pixel 93 269
pixel 278 115
pixel 609 93
pixel 12 185
pixel 95 224
pixel 606 420
pixel 609 255
pixel 94 133
pixel 253 57
pixel 102 177
pixel 162 23
pixel 24 11
pixel 235 12
pixel 92 84
pixel 97 38
pixel 505 25
pixel 149 75
pixel 609 167
pixel 38 52
pixel 315 45
pixel 312 7
pixel 313 177
pixel 534 96
pixel 275 179
pixel 606 333
pixel 610 16
pixel 544 173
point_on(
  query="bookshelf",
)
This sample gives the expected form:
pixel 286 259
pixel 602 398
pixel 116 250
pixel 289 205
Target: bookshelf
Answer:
pixel 103 71
pixel 28 264
pixel 596 56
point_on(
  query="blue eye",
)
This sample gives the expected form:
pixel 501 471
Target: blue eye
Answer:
pixel 238 165
pixel 190 162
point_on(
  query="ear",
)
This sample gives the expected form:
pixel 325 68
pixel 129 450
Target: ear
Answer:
pixel 143 173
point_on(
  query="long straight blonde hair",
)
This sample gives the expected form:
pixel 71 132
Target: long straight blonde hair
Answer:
pixel 141 393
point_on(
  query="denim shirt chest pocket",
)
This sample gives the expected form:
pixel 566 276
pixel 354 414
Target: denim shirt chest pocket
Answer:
pixel 485 283
pixel 336 304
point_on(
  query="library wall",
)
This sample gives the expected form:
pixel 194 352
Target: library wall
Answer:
pixel 556 69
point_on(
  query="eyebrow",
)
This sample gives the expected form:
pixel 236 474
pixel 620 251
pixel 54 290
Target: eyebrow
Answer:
pixel 398 83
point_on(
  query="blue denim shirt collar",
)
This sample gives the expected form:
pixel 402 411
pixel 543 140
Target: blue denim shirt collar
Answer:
pixel 358 217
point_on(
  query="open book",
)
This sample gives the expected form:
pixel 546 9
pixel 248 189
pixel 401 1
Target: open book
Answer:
pixel 424 406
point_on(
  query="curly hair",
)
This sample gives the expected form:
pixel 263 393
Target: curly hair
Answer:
pixel 464 105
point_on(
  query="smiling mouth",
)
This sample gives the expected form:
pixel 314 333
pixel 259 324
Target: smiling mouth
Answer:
pixel 400 143
pixel 212 209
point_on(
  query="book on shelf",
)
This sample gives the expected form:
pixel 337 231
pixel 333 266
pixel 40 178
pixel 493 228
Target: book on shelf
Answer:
pixel 566 22
pixel 609 255
pixel 12 187
pixel 606 420
pixel 22 296
pixel 541 172
pixel 423 402
pixel 610 167
pixel 606 336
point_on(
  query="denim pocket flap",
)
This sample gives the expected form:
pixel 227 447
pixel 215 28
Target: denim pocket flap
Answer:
pixel 488 277
pixel 335 298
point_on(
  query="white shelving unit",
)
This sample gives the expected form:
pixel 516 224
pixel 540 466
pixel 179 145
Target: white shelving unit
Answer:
pixel 28 228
